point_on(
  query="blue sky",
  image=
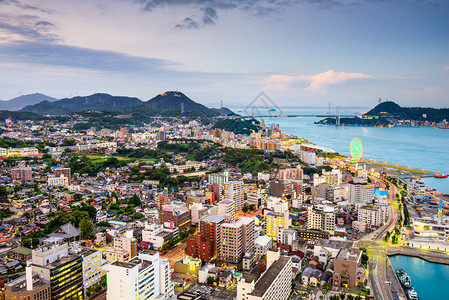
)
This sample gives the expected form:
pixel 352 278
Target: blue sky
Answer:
pixel 299 52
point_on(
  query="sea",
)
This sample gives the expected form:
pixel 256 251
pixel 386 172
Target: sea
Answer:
pixel 418 147
pixel 429 279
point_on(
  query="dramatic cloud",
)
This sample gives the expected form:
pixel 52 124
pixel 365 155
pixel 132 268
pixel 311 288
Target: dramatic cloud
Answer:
pixel 317 83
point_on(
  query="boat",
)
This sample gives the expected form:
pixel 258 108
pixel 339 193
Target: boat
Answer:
pixel 441 176
pixel 404 278
pixel 412 294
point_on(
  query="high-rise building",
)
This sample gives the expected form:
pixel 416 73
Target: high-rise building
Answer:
pixel 210 227
pixel 275 220
pixel 62 267
pixel 236 239
pixel 146 276
pixel 291 173
pixel 21 173
pixel 91 266
pixel 360 191
pixel 234 190
pixel 218 178
pixel 226 209
pixel 274 284
pixel 333 178
pixel 322 219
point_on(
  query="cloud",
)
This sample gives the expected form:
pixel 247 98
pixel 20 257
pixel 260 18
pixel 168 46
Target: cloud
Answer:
pixel 320 82
pixel 430 90
pixel 188 23
pixel 209 16
pixel 446 68
pixel 42 53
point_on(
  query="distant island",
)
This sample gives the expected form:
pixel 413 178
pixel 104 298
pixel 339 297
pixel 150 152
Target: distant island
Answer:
pixel 390 113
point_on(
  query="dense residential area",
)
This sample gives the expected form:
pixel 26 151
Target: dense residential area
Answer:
pixel 178 209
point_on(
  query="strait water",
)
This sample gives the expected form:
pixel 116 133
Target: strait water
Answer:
pixel 418 147
pixel 430 280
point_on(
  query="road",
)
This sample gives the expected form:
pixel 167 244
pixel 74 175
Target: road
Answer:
pixel 377 265
pixel 176 254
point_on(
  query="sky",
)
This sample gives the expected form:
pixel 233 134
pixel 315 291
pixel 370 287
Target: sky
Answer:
pixel 300 53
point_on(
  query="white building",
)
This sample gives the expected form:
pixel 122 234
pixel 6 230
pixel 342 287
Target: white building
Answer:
pixel 372 215
pixel 58 181
pixel 274 284
pixel 277 204
pixel 360 191
pixel 416 187
pixel 146 276
pixel 333 178
pixel 91 266
pixel 226 209
pixel 262 244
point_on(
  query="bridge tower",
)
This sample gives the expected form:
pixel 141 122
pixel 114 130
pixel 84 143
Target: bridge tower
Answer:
pixel 221 108
pixel 182 107
pixel 337 115
pixel 329 109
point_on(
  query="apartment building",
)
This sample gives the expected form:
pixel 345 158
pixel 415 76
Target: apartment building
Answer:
pixel 234 190
pixel 210 227
pixel 275 220
pixel 275 282
pixel 146 276
pixel 321 218
pixel 360 191
pixel 236 239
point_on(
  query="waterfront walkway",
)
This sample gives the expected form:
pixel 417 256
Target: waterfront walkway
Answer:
pixel 428 255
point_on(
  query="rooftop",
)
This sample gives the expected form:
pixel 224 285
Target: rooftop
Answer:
pixel 269 276
pixel 212 219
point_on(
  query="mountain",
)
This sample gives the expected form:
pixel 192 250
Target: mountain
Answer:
pixel 383 108
pixel 226 111
pixel 390 108
pixel 99 102
pixel 19 115
pixel 25 100
pixel 173 101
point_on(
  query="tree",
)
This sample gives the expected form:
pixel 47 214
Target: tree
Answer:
pixel 77 216
pixel 245 209
pixel 135 200
pixel 87 228
pixel 342 296
pixel 210 280
pixel 350 297
pixel 92 211
pixel 104 224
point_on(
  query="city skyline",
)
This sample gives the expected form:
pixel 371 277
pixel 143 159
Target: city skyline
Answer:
pixel 300 53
